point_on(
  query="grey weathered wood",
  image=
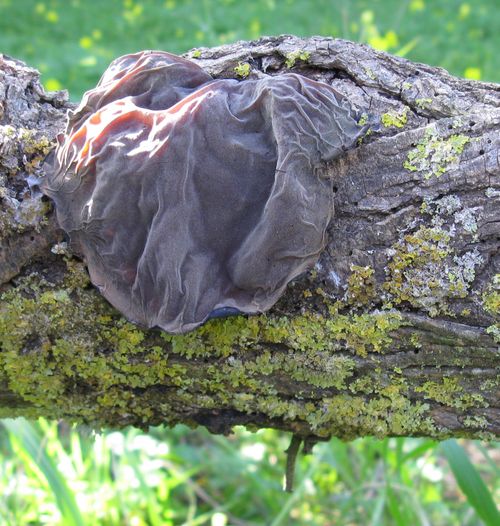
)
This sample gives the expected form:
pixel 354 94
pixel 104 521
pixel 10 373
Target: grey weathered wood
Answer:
pixel 413 245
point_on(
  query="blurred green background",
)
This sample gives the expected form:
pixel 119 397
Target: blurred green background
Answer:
pixel 51 473
pixel 71 42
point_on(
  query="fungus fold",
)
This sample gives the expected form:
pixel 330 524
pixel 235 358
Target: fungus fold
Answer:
pixel 192 198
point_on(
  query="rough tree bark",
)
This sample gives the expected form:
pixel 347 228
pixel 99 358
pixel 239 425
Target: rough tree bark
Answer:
pixel 394 332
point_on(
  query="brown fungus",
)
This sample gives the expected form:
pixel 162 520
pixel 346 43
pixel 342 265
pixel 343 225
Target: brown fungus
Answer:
pixel 190 197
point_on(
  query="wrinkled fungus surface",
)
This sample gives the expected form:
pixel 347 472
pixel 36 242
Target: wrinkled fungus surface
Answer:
pixel 190 197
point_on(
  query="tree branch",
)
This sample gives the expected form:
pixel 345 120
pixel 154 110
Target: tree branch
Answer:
pixel 394 332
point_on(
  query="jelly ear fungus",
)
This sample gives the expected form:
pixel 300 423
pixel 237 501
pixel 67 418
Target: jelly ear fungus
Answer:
pixel 192 198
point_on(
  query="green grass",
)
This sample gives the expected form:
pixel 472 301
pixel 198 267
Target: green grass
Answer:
pixel 182 476
pixel 470 483
pixel 72 41
pixel 26 441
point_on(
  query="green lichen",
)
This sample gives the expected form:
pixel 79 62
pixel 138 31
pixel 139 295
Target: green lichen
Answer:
pixel 196 53
pixel 393 119
pixel 118 374
pixel 467 218
pixel 34 145
pixel 491 304
pixel 369 73
pixel 363 385
pixel 388 414
pixel 309 332
pixel 368 132
pixel 242 69
pixel 363 119
pixel 387 411
pixel 23 150
pixel 423 103
pixel 293 56
pixel 360 286
pixel 477 422
pixel 491 296
pixel 425 272
pixel 319 369
pixel 449 392
pixel 45 358
pixel 490 384
pixel 433 155
pixel 494 332
pixel 365 332
pixel 440 208
pixel 415 341
pixel 216 337
pixel 55 370
pixel 491 192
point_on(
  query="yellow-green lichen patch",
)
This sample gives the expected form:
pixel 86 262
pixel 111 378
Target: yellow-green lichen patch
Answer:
pixel 242 70
pixel 395 119
pixel 49 364
pixel 35 146
pixel 423 103
pixel 379 402
pixel 368 132
pixel 348 416
pixel 293 56
pixel 22 152
pixel 491 296
pixel 363 385
pixel 351 416
pixel 360 286
pixel 415 341
pixel 477 422
pixel 245 363
pixel 424 271
pixel 490 384
pixel 465 220
pixel 365 332
pixel 358 334
pixel 369 73
pixel 67 353
pixel 319 369
pixel 323 370
pixel 441 208
pixel 434 155
pixel 76 276
pixel 309 332
pixel 491 304
pixel 494 332
pixel 272 406
pixel 449 392
pixel 220 337
pixel 363 119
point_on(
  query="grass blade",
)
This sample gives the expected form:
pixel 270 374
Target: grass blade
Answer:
pixel 394 505
pixel 471 483
pixel 378 510
pixel 30 441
